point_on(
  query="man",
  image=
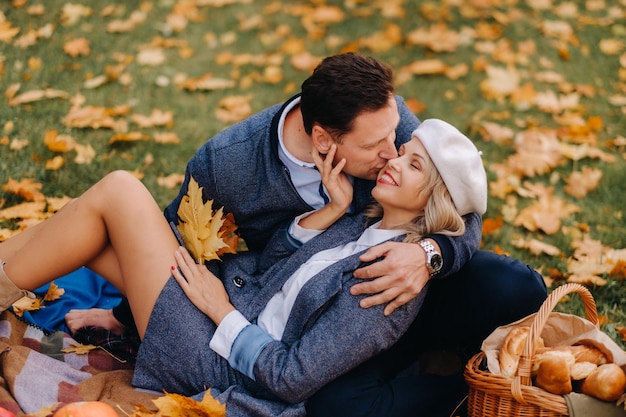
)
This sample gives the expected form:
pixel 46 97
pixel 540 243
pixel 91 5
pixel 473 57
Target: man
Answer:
pixel 261 170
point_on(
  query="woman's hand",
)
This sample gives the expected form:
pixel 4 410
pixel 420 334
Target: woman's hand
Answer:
pixel 336 182
pixel 339 190
pixel 396 279
pixel 203 288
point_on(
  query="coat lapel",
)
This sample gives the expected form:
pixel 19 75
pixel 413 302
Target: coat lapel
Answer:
pixel 316 293
pixel 345 230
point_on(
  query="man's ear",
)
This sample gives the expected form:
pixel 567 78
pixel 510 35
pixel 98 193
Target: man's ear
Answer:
pixel 322 141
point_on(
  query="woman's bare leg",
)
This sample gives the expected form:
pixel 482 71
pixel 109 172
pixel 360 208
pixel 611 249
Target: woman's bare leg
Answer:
pixel 117 211
pixel 105 265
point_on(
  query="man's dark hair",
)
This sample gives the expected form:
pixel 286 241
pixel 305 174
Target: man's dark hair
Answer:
pixel 341 88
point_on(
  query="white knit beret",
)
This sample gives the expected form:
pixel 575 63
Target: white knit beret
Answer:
pixel 459 163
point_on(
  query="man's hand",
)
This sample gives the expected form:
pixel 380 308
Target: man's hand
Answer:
pixel 397 279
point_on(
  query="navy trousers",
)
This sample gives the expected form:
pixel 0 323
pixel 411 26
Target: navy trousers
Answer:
pixel 459 312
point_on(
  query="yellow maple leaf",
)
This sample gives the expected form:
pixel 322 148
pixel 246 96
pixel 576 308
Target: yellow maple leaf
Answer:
pixel 546 213
pixel 26 188
pixel 500 82
pixel 175 405
pixel 54 292
pixel 79 348
pixel 580 183
pixel 201 228
pixel 26 304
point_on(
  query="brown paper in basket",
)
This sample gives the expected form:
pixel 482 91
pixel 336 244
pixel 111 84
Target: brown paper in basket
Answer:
pixel 560 329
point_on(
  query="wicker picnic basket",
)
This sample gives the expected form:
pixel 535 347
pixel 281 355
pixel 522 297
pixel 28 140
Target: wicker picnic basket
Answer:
pixel 495 395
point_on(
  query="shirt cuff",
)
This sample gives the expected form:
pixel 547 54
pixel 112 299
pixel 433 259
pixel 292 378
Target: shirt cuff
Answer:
pixel 247 348
pixel 226 333
pixel 300 233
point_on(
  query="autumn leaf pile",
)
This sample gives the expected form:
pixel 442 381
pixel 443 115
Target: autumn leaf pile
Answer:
pixel 539 85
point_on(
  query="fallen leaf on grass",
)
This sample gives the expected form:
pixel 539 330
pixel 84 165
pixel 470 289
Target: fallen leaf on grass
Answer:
pixel 128 137
pixel 156 118
pixel 56 203
pixel 166 137
pixel 171 181
pixel 500 82
pixel 17 144
pixel 579 183
pixel 207 82
pixel 233 108
pixel 438 38
pixel 76 47
pixel 492 225
pixel 426 66
pixel 27 188
pixel 23 211
pixel 58 143
pixel 84 154
pixel 55 163
pixel 7 31
pixel 537 247
pixel 89 116
pixel 587 264
pixel 546 213
pixel 37 95
pixel 72 13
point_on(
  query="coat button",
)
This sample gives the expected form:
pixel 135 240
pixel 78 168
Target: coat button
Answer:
pixel 239 282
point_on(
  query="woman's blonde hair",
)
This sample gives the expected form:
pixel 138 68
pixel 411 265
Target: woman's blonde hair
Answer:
pixel 440 214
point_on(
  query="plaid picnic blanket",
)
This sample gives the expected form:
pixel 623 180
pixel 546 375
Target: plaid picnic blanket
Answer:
pixel 35 373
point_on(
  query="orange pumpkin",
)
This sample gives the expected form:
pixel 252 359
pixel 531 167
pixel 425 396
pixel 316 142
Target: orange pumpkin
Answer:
pixel 86 409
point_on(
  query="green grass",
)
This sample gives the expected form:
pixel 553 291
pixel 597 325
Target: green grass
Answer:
pixel 458 101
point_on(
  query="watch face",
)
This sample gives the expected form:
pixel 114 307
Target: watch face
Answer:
pixel 436 261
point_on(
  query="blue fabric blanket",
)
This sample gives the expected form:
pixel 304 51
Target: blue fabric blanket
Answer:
pixel 84 289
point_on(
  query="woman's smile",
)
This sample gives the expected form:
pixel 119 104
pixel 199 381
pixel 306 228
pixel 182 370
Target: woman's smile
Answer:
pixel 387 178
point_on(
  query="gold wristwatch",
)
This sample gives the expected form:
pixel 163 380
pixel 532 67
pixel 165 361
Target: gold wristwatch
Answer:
pixel 434 261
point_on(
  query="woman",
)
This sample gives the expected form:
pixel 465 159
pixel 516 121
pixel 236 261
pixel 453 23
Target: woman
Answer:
pixel 282 334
